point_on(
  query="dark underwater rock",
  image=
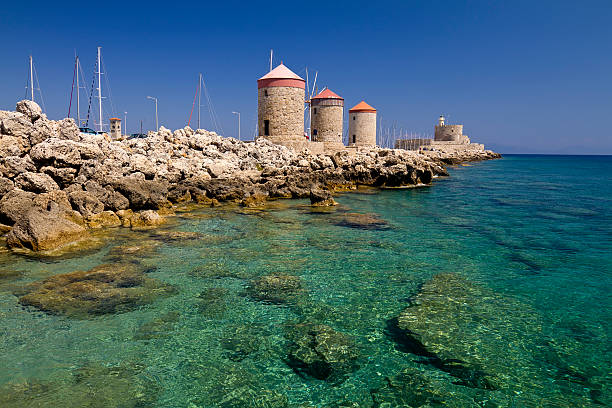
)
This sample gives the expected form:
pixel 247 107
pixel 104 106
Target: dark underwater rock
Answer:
pixel 321 352
pixel 234 386
pixel 132 251
pixel 176 236
pixel 241 341
pixel 212 302
pixel 362 221
pixel 275 289
pixel 413 387
pixel 159 327
pixel 107 288
pixel 91 386
pixel 472 333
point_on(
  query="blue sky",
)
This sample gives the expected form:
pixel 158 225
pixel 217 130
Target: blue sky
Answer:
pixel 522 76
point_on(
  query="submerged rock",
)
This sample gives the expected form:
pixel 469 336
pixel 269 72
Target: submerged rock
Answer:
pixel 321 352
pixel 108 288
pixel 176 236
pixel 241 341
pixel 91 386
pixel 413 387
pixel 362 221
pixel 483 341
pixel 159 327
pixel 275 289
pixel 234 386
pixel 132 251
pixel 218 270
pixel 212 302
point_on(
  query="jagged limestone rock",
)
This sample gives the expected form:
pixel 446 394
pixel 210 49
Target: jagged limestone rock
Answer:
pixel 30 109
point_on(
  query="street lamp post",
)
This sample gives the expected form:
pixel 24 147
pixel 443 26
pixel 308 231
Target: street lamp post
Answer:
pixel 156 121
pixel 238 113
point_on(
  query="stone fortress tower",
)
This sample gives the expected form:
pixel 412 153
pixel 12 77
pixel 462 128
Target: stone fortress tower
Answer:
pixel 448 138
pixel 362 126
pixel 327 112
pixel 449 133
pixel 280 106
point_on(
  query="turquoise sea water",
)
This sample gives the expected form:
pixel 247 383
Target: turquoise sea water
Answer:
pixel 526 241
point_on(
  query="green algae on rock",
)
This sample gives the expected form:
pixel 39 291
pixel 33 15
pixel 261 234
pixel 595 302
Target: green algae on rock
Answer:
pixel 212 302
pixel 321 352
pixel 159 327
pixel 275 289
pixel 362 221
pixel 414 387
pixel 234 386
pixel 238 342
pixel 484 340
pixel 461 328
pixel 107 288
pixel 91 386
pixel 132 250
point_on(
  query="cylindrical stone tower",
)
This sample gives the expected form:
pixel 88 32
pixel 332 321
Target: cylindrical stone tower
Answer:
pixel 280 106
pixel 326 113
pixel 362 125
pixel 115 128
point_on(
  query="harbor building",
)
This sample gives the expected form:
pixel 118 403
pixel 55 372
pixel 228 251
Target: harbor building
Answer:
pixel 327 114
pixel 449 133
pixel 447 137
pixel 115 128
pixel 280 106
pixel 362 125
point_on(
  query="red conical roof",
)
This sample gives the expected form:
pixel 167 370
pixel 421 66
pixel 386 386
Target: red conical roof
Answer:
pixel 362 107
pixel 327 94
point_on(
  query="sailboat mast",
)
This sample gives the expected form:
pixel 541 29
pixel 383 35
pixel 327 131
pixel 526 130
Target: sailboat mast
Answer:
pixel 199 98
pixel 32 78
pixel 99 89
pixel 78 93
pixel 271 53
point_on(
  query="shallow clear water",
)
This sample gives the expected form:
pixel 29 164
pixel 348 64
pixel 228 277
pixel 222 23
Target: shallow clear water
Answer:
pixel 531 234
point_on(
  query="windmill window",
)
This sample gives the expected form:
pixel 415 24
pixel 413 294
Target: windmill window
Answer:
pixel 315 111
pixel 266 128
pixel 266 92
pixel 353 118
pixel 354 139
pixel 314 132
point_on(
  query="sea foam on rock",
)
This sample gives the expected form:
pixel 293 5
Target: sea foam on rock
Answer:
pixel 97 174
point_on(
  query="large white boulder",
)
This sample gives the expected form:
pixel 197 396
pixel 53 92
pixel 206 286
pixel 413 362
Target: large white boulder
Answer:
pixel 29 109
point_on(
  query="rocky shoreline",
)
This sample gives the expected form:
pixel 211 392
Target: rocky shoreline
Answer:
pixel 56 184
